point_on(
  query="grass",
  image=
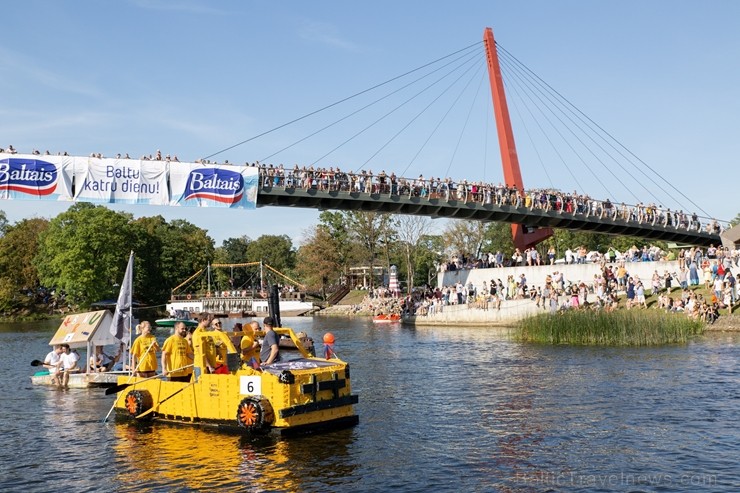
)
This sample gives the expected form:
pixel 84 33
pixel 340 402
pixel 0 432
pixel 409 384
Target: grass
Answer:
pixel 601 328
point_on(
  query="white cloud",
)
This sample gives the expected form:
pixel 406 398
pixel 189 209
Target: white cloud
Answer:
pixel 187 6
pixel 21 69
pixel 326 34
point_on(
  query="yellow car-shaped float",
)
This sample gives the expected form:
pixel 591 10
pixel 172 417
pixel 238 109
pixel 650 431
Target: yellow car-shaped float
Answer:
pixel 300 393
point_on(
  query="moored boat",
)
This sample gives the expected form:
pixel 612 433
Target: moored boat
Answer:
pixel 387 318
pixel 177 316
pixel 190 295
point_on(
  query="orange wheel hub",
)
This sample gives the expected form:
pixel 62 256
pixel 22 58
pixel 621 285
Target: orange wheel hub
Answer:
pixel 248 415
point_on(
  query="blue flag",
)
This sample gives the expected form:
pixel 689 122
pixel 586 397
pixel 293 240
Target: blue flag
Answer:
pixel 121 325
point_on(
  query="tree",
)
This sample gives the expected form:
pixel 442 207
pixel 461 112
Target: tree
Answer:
pixel 735 221
pixel 233 251
pixel 337 227
pixel 3 223
pixel 84 252
pixel 410 231
pixel 429 257
pixel 497 237
pixel 319 260
pixel 186 249
pixel 367 229
pixel 464 237
pixel 19 278
pixel 276 251
pixel 151 284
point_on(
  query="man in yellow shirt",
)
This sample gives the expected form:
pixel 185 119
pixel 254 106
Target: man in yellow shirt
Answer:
pixel 201 344
pixel 177 354
pixel 144 351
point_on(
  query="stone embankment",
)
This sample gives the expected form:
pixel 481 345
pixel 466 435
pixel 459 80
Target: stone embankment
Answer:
pixel 513 310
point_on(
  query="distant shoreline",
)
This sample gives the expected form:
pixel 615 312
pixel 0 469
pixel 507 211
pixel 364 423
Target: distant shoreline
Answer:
pixel 725 323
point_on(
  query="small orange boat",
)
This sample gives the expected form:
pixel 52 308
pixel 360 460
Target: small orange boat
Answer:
pixel 387 319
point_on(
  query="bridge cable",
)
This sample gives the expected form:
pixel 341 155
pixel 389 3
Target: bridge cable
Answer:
pixel 526 129
pixel 342 100
pixel 421 113
pixel 555 103
pixel 577 110
pixel 544 133
pixel 486 139
pixel 462 130
pixel 434 130
pixel 392 111
pixel 583 161
pixel 365 107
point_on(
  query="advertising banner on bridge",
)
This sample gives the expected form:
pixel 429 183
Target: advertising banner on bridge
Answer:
pixel 213 185
pixel 121 181
pixel 35 177
pixel 127 181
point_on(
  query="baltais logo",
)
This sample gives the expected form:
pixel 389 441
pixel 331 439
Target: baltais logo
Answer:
pixel 216 184
pixel 31 176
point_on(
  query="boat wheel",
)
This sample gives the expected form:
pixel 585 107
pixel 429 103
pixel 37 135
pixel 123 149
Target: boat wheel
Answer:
pixel 254 414
pixel 138 401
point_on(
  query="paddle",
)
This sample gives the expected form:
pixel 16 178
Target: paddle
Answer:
pixel 37 363
pixel 129 378
pixel 154 408
pixel 116 389
pixel 133 373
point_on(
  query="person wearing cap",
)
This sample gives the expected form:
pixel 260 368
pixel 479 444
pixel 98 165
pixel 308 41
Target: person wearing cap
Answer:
pixel 270 352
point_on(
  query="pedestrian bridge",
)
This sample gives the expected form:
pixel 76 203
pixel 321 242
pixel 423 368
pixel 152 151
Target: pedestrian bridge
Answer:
pixel 461 202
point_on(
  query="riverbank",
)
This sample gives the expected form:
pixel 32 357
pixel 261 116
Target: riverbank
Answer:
pixel 509 313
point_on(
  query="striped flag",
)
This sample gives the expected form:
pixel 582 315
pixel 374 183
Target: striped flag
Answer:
pixel 121 325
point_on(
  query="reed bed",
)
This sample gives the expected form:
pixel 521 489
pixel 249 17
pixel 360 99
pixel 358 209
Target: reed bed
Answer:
pixel 600 328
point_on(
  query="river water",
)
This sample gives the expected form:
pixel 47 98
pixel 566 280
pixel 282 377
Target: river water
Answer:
pixel 441 409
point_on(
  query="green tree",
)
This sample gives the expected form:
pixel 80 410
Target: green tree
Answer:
pixel 19 278
pixel 233 251
pixel 276 251
pixel 318 260
pixel 150 282
pixel 3 223
pixel 497 237
pixel 337 227
pixel 366 229
pixel 84 252
pixel 464 237
pixel 429 257
pixel 410 231
pixel 186 249
pixel 735 221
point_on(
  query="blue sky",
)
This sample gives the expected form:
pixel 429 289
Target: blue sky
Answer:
pixel 193 77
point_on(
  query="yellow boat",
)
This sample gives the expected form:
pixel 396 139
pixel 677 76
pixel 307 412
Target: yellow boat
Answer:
pixel 300 393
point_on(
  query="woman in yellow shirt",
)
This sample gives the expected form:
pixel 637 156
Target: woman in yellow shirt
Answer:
pixel 144 350
pixel 249 346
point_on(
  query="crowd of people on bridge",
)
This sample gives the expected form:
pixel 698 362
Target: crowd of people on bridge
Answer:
pixel 333 179
pixel 336 180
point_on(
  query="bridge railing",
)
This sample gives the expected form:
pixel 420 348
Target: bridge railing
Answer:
pixel 484 194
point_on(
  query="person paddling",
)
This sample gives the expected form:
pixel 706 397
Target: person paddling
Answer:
pixel 52 362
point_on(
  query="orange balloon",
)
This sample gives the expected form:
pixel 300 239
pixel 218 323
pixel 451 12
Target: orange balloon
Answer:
pixel 328 338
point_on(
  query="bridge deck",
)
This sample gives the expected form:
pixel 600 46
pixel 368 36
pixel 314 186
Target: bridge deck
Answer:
pixel 440 207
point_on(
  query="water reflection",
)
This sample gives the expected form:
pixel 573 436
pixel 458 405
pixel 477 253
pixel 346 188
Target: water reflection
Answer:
pixel 441 409
pixel 161 457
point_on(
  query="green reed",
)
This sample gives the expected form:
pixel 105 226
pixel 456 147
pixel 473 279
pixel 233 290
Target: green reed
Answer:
pixel 618 328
